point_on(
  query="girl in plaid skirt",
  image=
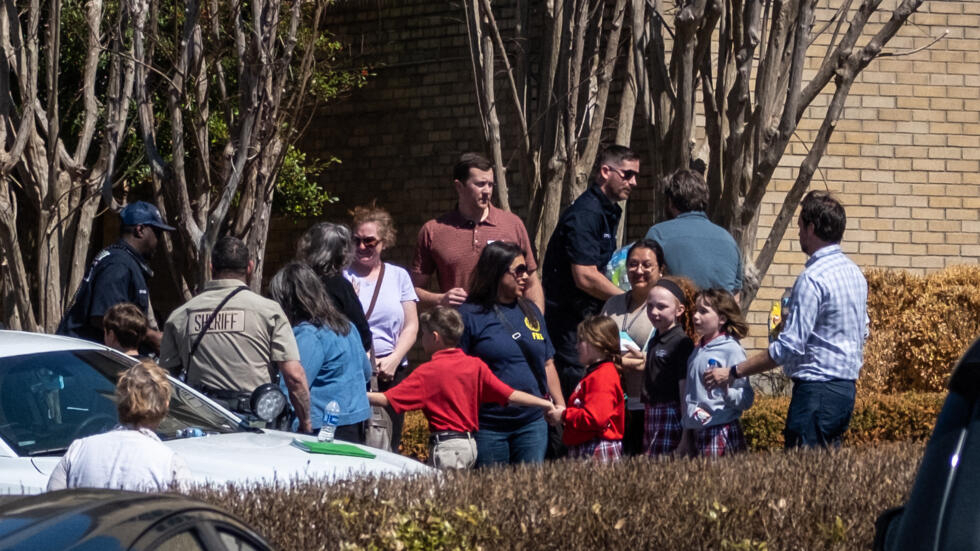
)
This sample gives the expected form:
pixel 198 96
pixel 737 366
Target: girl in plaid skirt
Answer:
pixel 712 416
pixel 666 365
pixel 596 409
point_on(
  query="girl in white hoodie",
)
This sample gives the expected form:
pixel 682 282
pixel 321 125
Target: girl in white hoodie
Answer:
pixel 712 416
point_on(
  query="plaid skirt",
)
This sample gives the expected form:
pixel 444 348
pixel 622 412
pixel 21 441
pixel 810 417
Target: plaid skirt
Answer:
pixel 603 451
pixel 663 428
pixel 719 440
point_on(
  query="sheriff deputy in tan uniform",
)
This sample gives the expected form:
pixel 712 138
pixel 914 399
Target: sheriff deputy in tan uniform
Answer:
pixel 247 342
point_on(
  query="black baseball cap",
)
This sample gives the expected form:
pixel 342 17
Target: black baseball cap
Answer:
pixel 142 213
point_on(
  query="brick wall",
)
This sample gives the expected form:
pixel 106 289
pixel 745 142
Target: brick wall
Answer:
pixel 903 160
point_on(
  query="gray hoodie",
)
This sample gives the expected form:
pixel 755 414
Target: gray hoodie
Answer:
pixel 704 408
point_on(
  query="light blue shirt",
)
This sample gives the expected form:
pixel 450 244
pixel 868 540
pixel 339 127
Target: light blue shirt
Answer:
pixel 697 248
pixel 824 334
pixel 336 369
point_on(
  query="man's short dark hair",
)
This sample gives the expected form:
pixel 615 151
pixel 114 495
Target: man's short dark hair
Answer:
pixel 827 215
pixel 467 161
pixel 445 321
pixel 127 322
pixel 686 190
pixel 229 255
pixel 612 155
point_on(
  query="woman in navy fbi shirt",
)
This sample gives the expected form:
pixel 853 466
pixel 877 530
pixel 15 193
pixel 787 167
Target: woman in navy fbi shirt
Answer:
pixel 507 331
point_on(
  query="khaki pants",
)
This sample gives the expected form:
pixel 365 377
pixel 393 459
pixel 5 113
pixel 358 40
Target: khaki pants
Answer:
pixel 458 453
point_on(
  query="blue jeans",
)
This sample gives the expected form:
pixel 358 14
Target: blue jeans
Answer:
pixel 523 445
pixel 819 413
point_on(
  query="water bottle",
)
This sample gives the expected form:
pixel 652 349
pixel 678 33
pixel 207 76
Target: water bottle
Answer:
pixel 331 417
pixel 715 393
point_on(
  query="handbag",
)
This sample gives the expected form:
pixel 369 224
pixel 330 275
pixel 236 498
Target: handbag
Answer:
pixel 378 429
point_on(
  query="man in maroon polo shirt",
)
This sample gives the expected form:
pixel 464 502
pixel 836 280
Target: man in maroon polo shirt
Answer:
pixel 450 245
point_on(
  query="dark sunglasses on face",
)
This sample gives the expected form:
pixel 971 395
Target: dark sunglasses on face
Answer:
pixel 519 271
pixel 626 175
pixel 368 242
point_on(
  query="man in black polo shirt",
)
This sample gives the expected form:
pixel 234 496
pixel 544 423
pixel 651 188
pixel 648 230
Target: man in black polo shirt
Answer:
pixel 583 242
pixel 118 274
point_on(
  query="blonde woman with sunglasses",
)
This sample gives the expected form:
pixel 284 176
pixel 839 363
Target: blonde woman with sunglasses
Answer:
pixel 388 298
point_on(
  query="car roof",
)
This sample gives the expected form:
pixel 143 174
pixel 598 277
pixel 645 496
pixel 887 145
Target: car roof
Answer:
pixel 121 515
pixel 18 343
pixel 93 500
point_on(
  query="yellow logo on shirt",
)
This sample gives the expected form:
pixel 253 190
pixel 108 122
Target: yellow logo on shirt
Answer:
pixel 535 327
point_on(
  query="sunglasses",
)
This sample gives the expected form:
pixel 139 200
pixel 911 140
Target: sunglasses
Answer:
pixel 626 175
pixel 368 242
pixel 519 271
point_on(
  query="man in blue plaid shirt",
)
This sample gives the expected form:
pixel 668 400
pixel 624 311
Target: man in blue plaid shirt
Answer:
pixel 821 346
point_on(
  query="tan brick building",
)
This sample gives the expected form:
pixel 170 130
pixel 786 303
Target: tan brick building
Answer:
pixel 905 158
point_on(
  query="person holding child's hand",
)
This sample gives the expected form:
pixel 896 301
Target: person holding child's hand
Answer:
pixel 593 419
pixel 449 390
pixel 712 414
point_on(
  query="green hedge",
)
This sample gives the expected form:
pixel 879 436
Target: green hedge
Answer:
pixel 920 325
pixel 877 418
pixel 808 499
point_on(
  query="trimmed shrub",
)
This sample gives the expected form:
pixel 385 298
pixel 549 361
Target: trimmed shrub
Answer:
pixel 415 436
pixel 808 499
pixel 920 325
pixel 877 418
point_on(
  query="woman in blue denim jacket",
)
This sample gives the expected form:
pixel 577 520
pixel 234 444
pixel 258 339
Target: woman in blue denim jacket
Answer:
pixel 329 348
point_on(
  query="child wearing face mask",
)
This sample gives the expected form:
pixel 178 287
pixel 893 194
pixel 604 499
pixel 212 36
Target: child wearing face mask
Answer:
pixel 712 416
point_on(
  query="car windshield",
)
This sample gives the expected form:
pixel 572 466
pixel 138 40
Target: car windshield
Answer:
pixel 48 399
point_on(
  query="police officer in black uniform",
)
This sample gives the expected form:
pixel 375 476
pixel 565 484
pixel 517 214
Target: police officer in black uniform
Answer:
pixel 118 274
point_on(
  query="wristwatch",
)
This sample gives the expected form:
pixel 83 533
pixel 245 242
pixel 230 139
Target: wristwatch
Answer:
pixel 733 372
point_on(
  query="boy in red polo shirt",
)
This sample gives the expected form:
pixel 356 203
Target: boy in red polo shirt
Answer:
pixel 449 390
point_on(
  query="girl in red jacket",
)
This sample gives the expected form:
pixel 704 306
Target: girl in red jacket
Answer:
pixel 594 417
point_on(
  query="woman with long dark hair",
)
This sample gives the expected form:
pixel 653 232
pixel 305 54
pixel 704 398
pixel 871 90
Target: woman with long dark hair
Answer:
pixel 507 331
pixel 329 349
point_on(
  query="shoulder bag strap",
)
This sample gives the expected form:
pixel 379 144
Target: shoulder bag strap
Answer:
pixel 532 361
pixel 210 320
pixel 367 315
pixel 377 289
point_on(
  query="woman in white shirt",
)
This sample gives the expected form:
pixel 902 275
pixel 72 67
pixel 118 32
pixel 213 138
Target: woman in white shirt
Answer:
pixel 131 456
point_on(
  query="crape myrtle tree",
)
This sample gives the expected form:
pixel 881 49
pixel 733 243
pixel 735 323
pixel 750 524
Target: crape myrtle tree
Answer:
pixel 194 105
pixel 564 65
pixel 224 89
pixel 66 84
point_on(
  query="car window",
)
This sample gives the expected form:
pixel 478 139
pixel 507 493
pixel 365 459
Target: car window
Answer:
pixel 48 399
pixel 182 541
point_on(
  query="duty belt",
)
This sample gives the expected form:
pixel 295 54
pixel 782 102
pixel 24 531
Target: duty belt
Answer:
pixel 235 400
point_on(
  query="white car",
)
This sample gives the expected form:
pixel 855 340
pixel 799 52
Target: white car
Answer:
pixel 56 389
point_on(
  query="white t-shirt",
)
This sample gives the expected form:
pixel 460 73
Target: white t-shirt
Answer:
pixel 121 459
pixel 388 317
